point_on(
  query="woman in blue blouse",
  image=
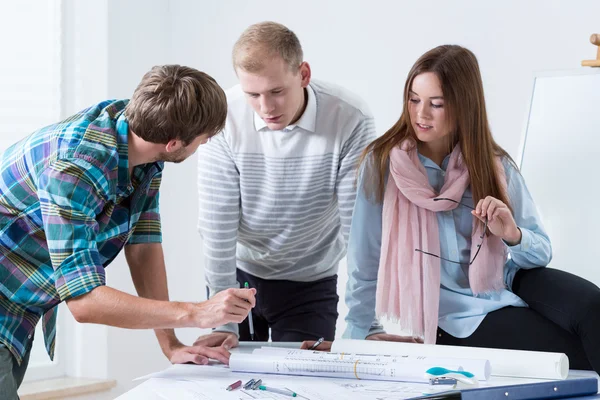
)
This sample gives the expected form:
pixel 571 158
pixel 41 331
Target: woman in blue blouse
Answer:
pixel 428 190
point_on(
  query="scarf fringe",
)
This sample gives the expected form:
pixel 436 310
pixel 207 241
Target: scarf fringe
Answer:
pixel 405 326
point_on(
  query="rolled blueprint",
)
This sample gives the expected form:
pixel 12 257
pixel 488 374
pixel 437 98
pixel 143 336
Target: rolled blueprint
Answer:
pixel 355 366
pixel 513 363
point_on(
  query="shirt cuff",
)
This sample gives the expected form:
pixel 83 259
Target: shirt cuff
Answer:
pixel 146 230
pixel 229 328
pixel 375 330
pixel 140 239
pixel 76 281
pixel 525 244
pixel 355 332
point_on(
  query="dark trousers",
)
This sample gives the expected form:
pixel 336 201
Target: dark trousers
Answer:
pixel 295 311
pixel 563 316
pixel 11 373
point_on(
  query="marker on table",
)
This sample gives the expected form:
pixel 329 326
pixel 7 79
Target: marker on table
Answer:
pixel 459 379
pixel 234 385
pixel 280 391
pixel 249 384
pixel 256 384
pixel 250 322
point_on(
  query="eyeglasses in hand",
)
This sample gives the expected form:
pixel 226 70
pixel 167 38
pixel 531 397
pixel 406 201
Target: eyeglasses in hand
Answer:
pixel 482 237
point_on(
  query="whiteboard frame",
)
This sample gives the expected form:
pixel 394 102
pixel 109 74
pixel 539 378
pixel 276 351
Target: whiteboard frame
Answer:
pixel 546 74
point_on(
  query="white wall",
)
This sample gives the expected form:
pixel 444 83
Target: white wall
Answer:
pixel 367 46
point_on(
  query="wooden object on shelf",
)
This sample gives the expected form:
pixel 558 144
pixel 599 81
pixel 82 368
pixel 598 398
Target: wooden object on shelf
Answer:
pixel 595 39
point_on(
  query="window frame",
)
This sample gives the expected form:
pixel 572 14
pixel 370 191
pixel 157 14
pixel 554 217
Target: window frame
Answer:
pixel 44 368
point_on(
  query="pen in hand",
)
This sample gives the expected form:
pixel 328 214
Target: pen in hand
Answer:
pixel 316 344
pixel 250 322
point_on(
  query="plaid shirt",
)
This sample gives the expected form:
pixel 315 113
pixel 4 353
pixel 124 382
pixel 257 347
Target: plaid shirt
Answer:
pixel 67 208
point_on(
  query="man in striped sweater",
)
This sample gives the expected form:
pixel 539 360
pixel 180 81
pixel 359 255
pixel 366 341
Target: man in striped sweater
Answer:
pixel 277 190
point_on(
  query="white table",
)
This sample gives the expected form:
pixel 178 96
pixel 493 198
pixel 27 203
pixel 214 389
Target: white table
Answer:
pixel 145 390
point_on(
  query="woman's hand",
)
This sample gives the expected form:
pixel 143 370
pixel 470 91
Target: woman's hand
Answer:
pixel 500 220
pixel 394 338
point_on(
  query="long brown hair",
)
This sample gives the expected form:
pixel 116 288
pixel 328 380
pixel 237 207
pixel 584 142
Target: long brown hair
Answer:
pixel 458 72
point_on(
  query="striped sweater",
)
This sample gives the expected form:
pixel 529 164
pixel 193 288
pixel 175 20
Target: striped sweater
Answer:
pixel 278 204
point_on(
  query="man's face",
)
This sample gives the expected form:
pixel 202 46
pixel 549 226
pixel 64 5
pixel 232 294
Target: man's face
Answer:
pixel 180 154
pixel 276 93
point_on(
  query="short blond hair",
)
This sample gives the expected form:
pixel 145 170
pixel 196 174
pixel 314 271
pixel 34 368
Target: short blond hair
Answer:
pixel 264 41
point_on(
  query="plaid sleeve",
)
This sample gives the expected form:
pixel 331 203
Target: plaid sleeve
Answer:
pixel 148 227
pixel 69 193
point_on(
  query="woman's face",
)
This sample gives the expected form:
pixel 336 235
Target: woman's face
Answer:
pixel 426 109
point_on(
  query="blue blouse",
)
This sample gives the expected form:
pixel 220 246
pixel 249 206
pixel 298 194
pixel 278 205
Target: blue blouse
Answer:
pixel 460 312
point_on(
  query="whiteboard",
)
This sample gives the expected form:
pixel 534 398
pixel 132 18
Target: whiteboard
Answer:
pixel 559 160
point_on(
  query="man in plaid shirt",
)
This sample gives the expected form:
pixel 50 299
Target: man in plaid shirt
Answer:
pixel 73 194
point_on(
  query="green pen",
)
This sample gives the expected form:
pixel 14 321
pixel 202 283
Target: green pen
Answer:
pixel 280 391
pixel 250 322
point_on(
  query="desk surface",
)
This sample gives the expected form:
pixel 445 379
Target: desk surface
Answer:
pixel 145 390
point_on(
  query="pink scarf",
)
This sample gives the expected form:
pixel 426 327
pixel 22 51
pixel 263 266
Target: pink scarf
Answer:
pixel 408 284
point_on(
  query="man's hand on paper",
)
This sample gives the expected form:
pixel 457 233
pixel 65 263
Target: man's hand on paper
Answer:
pixel 324 346
pixel 225 340
pixel 386 337
pixel 197 354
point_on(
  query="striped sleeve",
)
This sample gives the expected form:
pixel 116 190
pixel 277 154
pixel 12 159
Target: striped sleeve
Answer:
pixel 68 191
pixel 218 215
pixel 362 135
pixel 148 227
